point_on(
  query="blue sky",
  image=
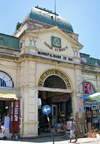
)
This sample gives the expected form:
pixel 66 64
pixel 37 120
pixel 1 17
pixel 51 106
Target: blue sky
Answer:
pixel 83 15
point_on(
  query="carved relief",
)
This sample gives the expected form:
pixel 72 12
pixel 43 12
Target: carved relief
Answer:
pixel 53 72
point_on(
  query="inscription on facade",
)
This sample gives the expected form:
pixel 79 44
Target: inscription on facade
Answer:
pixel 56 49
pixel 53 72
pixel 55 56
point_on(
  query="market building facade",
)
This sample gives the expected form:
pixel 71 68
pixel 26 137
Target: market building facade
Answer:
pixel 41 63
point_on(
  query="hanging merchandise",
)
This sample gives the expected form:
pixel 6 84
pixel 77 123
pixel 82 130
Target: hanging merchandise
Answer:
pixel 89 114
pixel 62 114
pixel 94 113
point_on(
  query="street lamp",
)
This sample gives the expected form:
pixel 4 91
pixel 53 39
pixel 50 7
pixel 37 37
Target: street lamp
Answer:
pixel 84 80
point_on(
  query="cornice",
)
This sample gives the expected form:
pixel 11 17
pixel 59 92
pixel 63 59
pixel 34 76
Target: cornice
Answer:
pixel 50 61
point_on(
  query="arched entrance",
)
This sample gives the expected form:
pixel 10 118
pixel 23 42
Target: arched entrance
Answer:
pixel 55 90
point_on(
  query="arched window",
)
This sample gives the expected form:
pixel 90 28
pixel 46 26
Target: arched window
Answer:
pixel 5 80
pixel 2 83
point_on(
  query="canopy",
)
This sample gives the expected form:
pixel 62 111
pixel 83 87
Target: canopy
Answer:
pixel 8 94
pixel 95 96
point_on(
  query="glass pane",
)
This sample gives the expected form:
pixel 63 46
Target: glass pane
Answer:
pixel 39 103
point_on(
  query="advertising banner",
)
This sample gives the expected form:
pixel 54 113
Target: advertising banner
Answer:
pixel 87 88
pixel 83 60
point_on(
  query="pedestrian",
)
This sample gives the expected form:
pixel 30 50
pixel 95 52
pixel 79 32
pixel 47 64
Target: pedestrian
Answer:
pixel 2 130
pixel 72 130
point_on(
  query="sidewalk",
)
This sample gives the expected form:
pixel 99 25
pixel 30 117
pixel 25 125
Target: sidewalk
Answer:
pixel 57 140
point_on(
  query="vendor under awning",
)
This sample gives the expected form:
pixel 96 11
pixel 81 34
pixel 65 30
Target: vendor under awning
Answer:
pixel 8 94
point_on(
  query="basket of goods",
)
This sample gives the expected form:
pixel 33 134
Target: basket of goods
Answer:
pixel 58 130
pixel 93 135
pixel 95 130
pixel 61 131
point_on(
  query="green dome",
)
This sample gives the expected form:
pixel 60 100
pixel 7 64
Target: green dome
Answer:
pixel 48 17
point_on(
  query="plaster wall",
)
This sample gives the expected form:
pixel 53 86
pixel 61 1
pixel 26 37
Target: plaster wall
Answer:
pixel 46 37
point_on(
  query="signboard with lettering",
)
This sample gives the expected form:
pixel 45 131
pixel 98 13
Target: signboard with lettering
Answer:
pixel 87 88
pixel 56 42
pixel 63 97
pixel 79 109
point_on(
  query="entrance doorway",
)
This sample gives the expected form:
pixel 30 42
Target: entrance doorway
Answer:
pixel 61 108
pixel 4 110
pixel 54 90
pixel 9 116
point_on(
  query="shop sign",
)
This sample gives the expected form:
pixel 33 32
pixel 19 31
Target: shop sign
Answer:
pixel 94 107
pixel 88 106
pixel 79 109
pixel 87 88
pixel 56 42
pixel 63 97
pixel 53 72
pixel 94 113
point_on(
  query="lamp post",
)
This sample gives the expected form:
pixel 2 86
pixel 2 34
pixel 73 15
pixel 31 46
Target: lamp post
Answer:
pixel 84 80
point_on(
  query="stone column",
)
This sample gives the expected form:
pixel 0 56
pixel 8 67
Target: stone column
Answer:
pixel 74 104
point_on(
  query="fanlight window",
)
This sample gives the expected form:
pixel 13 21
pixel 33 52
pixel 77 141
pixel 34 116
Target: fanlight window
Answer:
pixel 55 81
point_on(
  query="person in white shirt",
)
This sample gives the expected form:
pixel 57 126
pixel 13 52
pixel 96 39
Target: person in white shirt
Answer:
pixel 73 127
pixel 2 130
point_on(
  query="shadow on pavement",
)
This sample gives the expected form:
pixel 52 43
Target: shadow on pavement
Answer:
pixel 42 139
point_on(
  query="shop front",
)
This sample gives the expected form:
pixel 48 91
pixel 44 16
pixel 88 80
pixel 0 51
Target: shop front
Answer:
pixel 90 106
pixel 9 111
pixel 9 105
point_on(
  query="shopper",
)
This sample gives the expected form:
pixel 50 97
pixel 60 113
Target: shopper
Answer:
pixel 72 130
pixel 2 130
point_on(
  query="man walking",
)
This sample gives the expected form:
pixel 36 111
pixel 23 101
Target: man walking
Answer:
pixel 73 127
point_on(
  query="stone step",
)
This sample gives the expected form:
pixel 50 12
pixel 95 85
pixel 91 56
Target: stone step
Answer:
pixel 7 134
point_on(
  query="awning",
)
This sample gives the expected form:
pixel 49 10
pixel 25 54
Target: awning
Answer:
pixel 53 89
pixel 95 96
pixel 8 94
pixel 85 97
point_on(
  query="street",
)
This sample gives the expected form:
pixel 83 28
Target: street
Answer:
pixel 48 140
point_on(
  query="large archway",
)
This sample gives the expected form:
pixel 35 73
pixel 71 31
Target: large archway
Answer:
pixel 55 90
pixel 54 76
